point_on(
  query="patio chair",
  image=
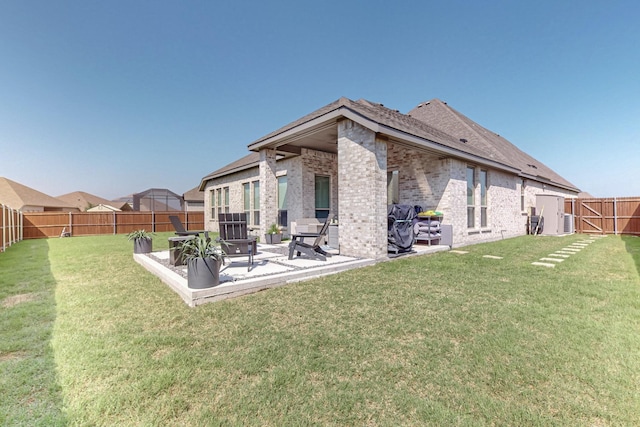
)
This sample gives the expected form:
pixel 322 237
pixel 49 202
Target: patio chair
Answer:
pixel 234 239
pixel 315 251
pixel 180 230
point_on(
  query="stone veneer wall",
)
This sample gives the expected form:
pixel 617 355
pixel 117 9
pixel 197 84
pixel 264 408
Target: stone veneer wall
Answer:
pixel 234 182
pixel 426 180
pixel 422 177
pixel 317 163
pixel 362 195
pixel 505 218
pixel 268 200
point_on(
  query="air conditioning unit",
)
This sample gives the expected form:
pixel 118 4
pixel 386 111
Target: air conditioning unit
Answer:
pixel 569 225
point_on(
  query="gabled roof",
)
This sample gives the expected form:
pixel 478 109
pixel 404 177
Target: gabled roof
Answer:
pixel 194 195
pixel 246 162
pixel 438 114
pixel 440 133
pixel 249 161
pixel 376 116
pixel 82 200
pixel 103 208
pixel 17 196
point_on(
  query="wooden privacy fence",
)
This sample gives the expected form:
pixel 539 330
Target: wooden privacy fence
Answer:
pixel 11 223
pixel 616 215
pixel 53 224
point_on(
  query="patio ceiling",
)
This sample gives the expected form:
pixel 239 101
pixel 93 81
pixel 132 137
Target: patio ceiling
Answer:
pixel 323 137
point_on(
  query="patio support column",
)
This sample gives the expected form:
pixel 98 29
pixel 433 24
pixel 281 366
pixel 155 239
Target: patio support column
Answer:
pixel 268 190
pixel 362 191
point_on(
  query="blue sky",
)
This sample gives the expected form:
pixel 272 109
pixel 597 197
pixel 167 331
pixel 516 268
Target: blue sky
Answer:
pixel 115 97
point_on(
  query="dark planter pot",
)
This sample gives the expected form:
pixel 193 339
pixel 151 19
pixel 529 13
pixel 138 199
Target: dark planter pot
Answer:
pixel 142 245
pixel 273 239
pixel 203 273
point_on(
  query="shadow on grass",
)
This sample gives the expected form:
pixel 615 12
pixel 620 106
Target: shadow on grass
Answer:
pixel 30 391
pixel 632 244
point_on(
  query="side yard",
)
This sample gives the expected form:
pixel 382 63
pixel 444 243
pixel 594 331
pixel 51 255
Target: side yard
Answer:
pixel 88 337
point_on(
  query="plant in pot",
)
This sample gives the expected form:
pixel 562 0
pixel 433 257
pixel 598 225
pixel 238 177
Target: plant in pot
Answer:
pixel 142 241
pixel 203 258
pixel 274 235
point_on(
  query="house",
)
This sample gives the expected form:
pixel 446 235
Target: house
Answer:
pixel 193 200
pixel 103 208
pixel 354 158
pixel 26 199
pixel 86 201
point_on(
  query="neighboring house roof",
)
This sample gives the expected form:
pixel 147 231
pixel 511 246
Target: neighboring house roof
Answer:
pixel 438 133
pixel 83 200
pixel 103 208
pixel 194 195
pixel 17 196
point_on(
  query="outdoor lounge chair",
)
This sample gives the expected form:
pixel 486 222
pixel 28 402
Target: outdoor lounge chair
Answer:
pixel 180 230
pixel 299 247
pixel 234 239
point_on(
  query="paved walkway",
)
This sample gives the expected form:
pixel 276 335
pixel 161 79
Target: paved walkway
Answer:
pixel 271 268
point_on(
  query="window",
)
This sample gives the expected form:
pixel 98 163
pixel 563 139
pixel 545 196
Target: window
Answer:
pixel 393 192
pixel 226 199
pixel 471 210
pixel 256 202
pixel 246 196
pixel 322 196
pixel 212 194
pixel 522 196
pixel 282 201
pixel 219 204
pixel 483 198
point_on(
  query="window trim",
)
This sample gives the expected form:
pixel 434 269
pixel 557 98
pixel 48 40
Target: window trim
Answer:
pixel 484 197
pixel 393 187
pixel 471 207
pixel 326 210
pixel 283 206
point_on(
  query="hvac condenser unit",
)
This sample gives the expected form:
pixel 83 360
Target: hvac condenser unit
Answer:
pixel 569 225
pixel 551 208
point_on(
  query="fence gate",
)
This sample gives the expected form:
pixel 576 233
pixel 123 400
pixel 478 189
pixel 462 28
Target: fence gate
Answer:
pixel 606 215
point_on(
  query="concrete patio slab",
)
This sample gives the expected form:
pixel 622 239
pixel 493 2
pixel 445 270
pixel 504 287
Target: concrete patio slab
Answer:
pixel 271 268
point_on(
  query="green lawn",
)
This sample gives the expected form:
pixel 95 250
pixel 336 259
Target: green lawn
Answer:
pixel 88 337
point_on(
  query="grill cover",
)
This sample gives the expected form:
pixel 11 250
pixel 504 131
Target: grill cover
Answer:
pixel 400 228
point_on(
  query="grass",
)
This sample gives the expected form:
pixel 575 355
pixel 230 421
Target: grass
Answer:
pixel 445 339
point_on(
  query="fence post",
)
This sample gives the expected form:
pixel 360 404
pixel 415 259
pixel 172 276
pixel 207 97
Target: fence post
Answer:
pixel 573 212
pixel 615 216
pixel 11 234
pixel 3 232
pixel 114 224
pixel 153 221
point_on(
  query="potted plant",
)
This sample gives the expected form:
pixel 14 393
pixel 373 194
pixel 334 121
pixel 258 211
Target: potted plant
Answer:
pixel 203 258
pixel 274 235
pixel 142 241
